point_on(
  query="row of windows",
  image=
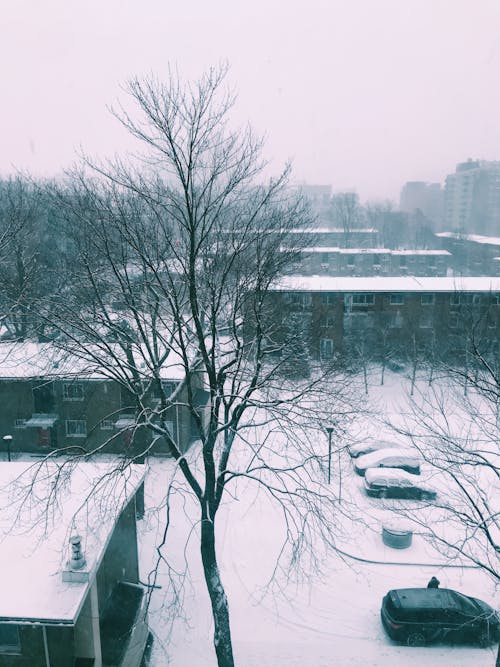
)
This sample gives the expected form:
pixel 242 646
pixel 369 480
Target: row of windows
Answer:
pixel 377 259
pixel 396 321
pixel 395 299
pixel 75 391
pixel 74 427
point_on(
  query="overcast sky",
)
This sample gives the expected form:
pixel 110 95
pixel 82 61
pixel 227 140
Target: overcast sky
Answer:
pixel 360 94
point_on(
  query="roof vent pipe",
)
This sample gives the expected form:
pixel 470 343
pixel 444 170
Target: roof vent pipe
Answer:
pixel 77 560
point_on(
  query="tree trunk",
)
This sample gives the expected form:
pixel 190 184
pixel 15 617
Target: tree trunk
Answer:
pixel 220 607
pixel 497 663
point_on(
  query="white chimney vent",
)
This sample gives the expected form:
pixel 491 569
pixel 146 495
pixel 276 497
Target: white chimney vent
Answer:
pixel 74 570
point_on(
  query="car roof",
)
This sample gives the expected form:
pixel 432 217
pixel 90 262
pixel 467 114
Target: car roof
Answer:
pixel 389 452
pixel 375 445
pixel 394 476
pixel 424 598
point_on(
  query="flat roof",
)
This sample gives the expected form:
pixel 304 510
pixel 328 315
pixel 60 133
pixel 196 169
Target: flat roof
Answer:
pixel 374 251
pixel 334 230
pixel 28 359
pixel 299 283
pixel 34 543
pixel 474 238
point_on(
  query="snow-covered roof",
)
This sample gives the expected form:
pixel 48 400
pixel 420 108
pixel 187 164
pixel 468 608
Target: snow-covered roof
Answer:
pixel 348 251
pixel 28 359
pixel 296 283
pixel 373 251
pixel 334 230
pixel 396 477
pixel 392 456
pixel 420 252
pixel 475 238
pixel 34 535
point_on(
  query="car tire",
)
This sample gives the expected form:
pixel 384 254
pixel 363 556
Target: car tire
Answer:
pixel 416 639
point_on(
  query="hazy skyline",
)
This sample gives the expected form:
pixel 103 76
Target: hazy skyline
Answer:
pixel 360 94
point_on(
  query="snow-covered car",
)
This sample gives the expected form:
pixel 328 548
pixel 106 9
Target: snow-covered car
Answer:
pixel 396 483
pixel 361 448
pixel 390 457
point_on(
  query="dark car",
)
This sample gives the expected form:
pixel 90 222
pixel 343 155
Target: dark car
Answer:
pixel 396 483
pixel 418 616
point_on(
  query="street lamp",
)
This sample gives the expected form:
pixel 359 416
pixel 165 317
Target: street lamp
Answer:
pixel 7 439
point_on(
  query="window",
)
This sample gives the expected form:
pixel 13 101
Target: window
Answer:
pixel 328 321
pixel 325 257
pixel 426 320
pixel 402 260
pixel 427 299
pixel 9 638
pixel 455 299
pixel 300 298
pixel 363 299
pixel 325 348
pixel 496 299
pixel 491 322
pixel 20 423
pixel 397 299
pixel 351 260
pixel 107 425
pixel 395 320
pixel 376 260
pixel 454 321
pixel 327 298
pixel 76 428
pixel 73 391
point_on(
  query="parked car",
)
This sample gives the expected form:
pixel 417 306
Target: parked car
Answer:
pixel 396 483
pixel 390 457
pixel 361 448
pixel 418 616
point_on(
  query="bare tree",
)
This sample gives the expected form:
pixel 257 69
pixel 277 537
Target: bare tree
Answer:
pixel 176 257
pixel 346 213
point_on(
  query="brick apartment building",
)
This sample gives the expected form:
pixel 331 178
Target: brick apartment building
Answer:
pixel 472 254
pixel 51 401
pixel 336 261
pixel 434 315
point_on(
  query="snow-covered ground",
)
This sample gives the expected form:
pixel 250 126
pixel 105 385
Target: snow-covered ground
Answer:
pixel 332 616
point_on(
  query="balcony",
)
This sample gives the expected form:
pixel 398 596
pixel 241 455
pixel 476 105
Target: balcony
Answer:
pixel 124 627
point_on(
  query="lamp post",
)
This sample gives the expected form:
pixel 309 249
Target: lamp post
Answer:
pixel 7 439
pixel 329 430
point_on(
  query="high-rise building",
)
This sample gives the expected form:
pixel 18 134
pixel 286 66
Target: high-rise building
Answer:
pixel 472 198
pixel 424 197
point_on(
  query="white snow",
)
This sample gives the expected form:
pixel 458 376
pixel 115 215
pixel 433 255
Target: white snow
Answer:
pixel 331 615
pixel 316 283
pixel 27 360
pixel 35 527
pixel 391 456
pixel 476 238
pixel 395 477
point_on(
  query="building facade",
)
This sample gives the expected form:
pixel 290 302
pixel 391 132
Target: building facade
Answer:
pixel 472 198
pixel 45 408
pixel 428 198
pixel 394 317
pixel 372 262
pixel 472 254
